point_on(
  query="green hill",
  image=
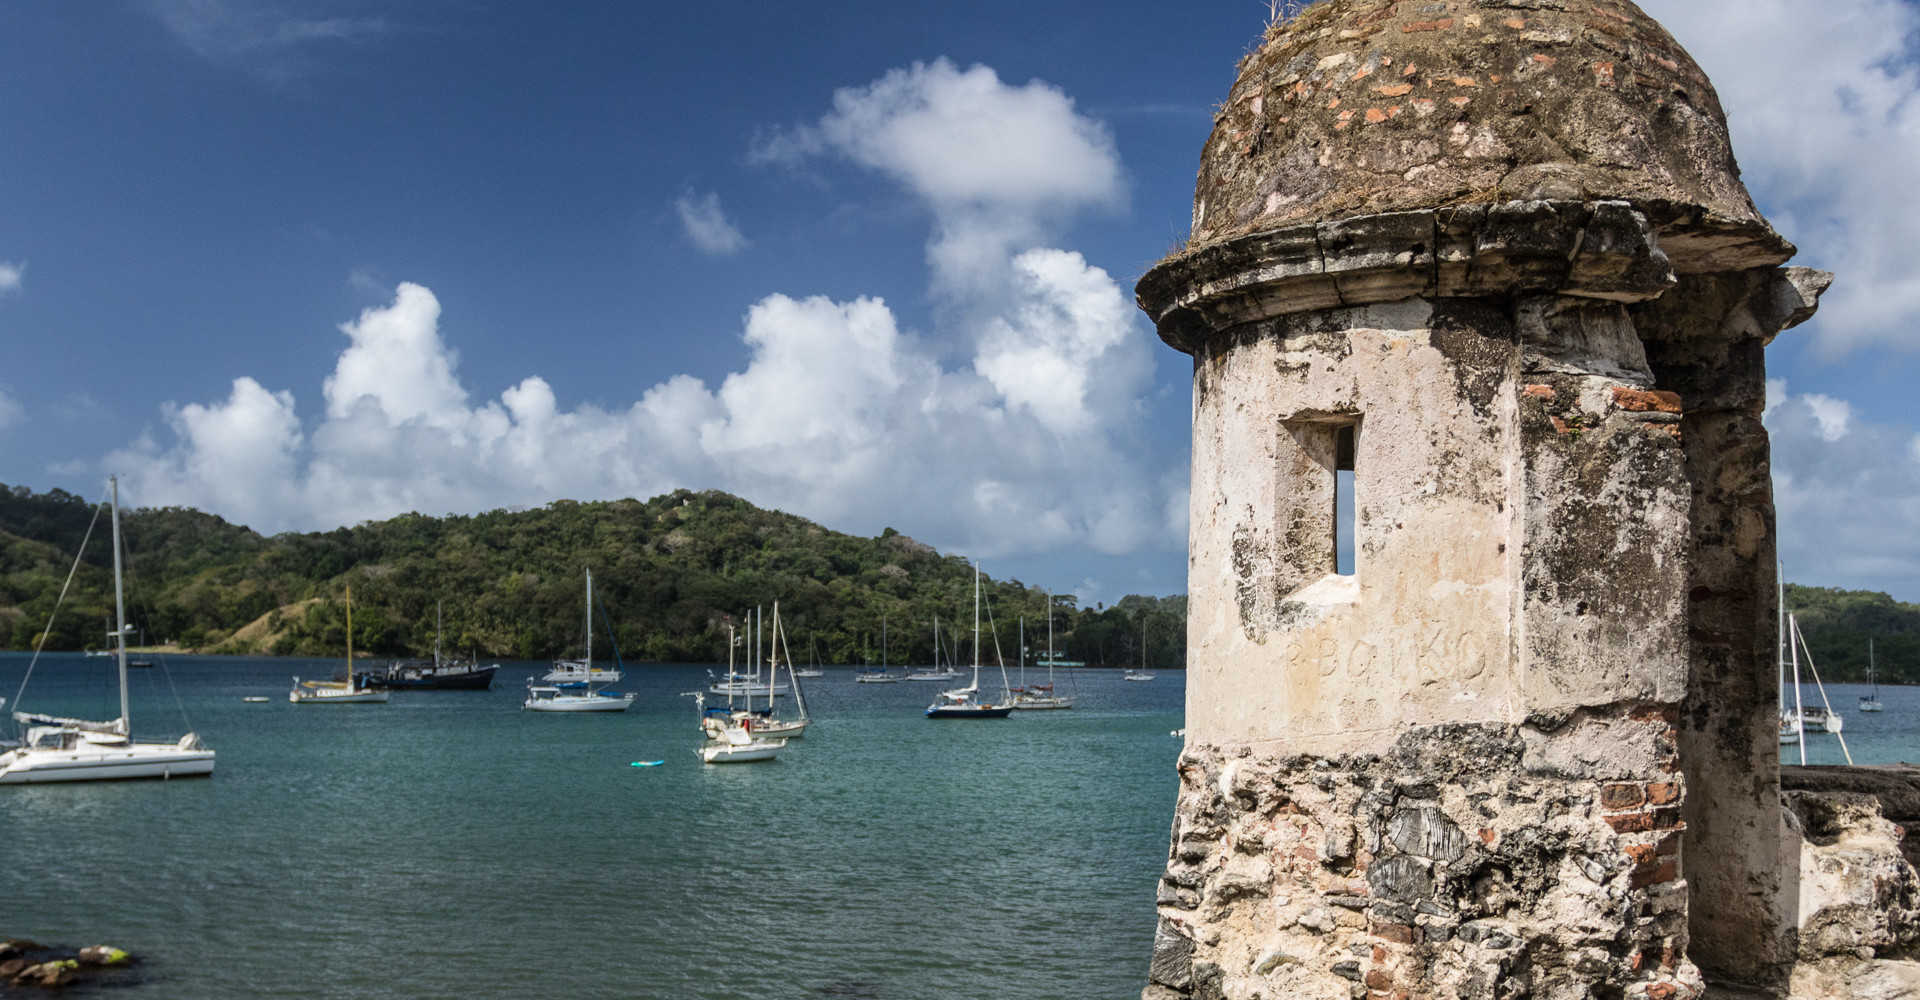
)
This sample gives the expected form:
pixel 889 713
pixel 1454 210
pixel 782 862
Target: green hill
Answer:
pixel 671 572
pixel 1838 623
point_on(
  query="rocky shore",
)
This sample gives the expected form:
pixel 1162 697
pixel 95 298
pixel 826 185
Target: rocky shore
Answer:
pixel 27 965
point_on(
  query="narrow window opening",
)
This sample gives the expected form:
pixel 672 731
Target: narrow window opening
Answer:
pixel 1344 508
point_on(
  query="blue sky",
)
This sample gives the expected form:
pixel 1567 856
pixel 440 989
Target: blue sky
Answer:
pixel 304 263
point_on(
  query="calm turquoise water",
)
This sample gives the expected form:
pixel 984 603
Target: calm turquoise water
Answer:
pixel 1889 737
pixel 449 844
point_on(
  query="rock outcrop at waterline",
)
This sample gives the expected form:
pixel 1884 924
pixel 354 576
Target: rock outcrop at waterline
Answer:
pixel 27 965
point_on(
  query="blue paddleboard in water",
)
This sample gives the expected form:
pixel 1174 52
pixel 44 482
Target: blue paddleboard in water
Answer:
pixel 647 763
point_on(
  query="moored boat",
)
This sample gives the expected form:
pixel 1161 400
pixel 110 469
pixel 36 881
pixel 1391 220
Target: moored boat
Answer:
pixel 965 703
pixel 56 749
pixel 347 692
pixel 584 695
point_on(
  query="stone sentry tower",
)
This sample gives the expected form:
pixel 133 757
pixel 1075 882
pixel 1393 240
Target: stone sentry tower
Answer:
pixel 1494 259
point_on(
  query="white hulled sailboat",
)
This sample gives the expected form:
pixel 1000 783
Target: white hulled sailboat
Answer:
pixel 965 703
pixel 581 695
pixel 338 692
pixel 60 749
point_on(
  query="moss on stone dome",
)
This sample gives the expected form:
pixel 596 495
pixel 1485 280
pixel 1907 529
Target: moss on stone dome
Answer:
pixel 1362 107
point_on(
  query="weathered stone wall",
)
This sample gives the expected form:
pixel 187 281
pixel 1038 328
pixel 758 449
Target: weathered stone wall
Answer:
pixel 1462 862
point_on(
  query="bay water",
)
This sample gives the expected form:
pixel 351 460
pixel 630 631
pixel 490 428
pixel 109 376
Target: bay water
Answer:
pixel 450 844
pixel 1890 736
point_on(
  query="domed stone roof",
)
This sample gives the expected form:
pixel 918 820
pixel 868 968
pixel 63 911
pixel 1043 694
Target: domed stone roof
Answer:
pixel 1367 107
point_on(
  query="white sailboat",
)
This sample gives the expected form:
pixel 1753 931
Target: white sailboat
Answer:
pixel 582 695
pixel 935 672
pixel 884 674
pixel 763 724
pixel 60 749
pixel 1871 702
pixel 965 703
pixel 1804 719
pixel 737 746
pixel 749 684
pixel 1142 674
pixel 1039 697
pixel 338 692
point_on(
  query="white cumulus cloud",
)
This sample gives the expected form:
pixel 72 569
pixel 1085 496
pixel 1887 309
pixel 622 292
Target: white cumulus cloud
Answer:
pixel 707 227
pixel 1821 100
pixel 1847 494
pixel 11 412
pixel 1029 444
pixel 10 276
pixel 998 165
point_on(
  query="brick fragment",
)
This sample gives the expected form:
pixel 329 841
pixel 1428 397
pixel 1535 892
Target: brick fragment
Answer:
pixel 1668 845
pixel 1642 855
pixel 1515 23
pixel 1544 60
pixel 1661 991
pixel 1375 116
pixel 1666 872
pixel 1603 74
pixel 1396 933
pixel 1398 90
pixel 1465 81
pixel 1662 793
pixel 1622 795
pixel 1542 391
pixel 1378 979
pixel 1459 102
pixel 1646 400
pixel 1630 822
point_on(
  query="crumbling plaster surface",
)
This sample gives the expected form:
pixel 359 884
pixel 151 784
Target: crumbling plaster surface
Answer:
pixel 1857 921
pixel 1460 862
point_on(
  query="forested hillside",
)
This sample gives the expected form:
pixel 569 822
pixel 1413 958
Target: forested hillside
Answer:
pixel 1838 623
pixel 671 574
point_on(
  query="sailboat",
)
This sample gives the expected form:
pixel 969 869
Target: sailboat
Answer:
pixel 882 675
pixel 817 670
pixel 583 695
pixel 763 723
pixel 1803 719
pixel 1037 697
pixel 964 703
pixel 1871 702
pixel 61 749
pixel 936 672
pixel 1142 674
pixel 749 684
pixel 337 692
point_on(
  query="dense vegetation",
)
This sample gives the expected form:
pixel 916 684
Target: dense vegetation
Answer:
pixel 671 573
pixel 1839 623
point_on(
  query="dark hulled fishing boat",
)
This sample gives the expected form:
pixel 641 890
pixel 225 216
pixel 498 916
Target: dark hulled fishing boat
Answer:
pixel 458 675
pixel 449 674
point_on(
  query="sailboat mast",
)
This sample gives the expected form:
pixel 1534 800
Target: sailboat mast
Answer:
pixel 439 625
pixel 883 643
pixel 120 613
pixel 349 638
pixel 589 677
pixel 1049 637
pixel 1780 627
pixel 976 626
pixel 1799 716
